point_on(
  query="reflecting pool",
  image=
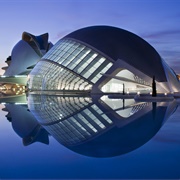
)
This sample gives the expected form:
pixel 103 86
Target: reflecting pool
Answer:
pixel 83 137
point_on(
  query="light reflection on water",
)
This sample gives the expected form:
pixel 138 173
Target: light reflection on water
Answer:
pixel 115 130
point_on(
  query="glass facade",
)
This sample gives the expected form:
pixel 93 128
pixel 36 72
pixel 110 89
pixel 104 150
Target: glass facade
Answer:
pixel 56 108
pixel 51 76
pixel 69 65
pixel 79 127
pixel 70 120
pixel 124 108
pixel 132 83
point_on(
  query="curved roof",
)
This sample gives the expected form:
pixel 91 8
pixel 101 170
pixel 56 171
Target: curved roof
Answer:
pixel 121 44
pixel 118 141
pixel 26 53
pixel 36 42
pixel 23 56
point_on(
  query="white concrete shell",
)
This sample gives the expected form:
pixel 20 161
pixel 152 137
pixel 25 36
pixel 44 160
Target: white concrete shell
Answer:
pixel 26 53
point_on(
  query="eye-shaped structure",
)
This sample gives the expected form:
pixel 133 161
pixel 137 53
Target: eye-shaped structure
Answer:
pixel 91 127
pixel 103 59
pixel 26 54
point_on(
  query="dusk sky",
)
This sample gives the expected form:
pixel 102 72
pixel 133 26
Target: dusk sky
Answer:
pixel 157 21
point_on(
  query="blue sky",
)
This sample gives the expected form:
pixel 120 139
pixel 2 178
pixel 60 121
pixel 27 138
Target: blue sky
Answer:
pixel 157 21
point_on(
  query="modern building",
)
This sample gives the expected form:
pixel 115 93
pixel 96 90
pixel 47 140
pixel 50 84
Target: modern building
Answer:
pixel 91 127
pixel 92 60
pixel 26 53
pixel 103 59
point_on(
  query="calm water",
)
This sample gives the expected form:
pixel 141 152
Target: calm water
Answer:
pixel 99 138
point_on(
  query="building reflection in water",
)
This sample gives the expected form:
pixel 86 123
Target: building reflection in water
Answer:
pixel 99 127
pixel 25 125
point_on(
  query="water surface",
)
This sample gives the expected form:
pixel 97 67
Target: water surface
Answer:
pixel 142 141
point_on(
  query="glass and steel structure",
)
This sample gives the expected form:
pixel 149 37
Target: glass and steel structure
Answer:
pixel 102 59
pixel 69 65
pixel 78 117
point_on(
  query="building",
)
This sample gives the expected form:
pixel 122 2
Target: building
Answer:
pixel 26 53
pixel 103 59
pixel 25 125
pixel 92 60
pixel 91 127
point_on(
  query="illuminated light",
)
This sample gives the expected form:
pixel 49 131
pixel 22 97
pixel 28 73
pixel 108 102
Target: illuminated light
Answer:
pixel 104 97
pixel 127 92
pixel 150 93
pixel 94 55
pixel 20 103
pixel 17 92
pixel 20 76
pixel 165 94
pixel 3 76
pixel 138 92
pixel 3 103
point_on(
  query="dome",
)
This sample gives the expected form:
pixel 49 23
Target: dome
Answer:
pixel 89 126
pixel 120 44
pixel 26 53
pixel 22 56
pixel 103 59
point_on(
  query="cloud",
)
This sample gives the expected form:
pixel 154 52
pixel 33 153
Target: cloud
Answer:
pixel 167 44
pixel 162 33
pixel 172 58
